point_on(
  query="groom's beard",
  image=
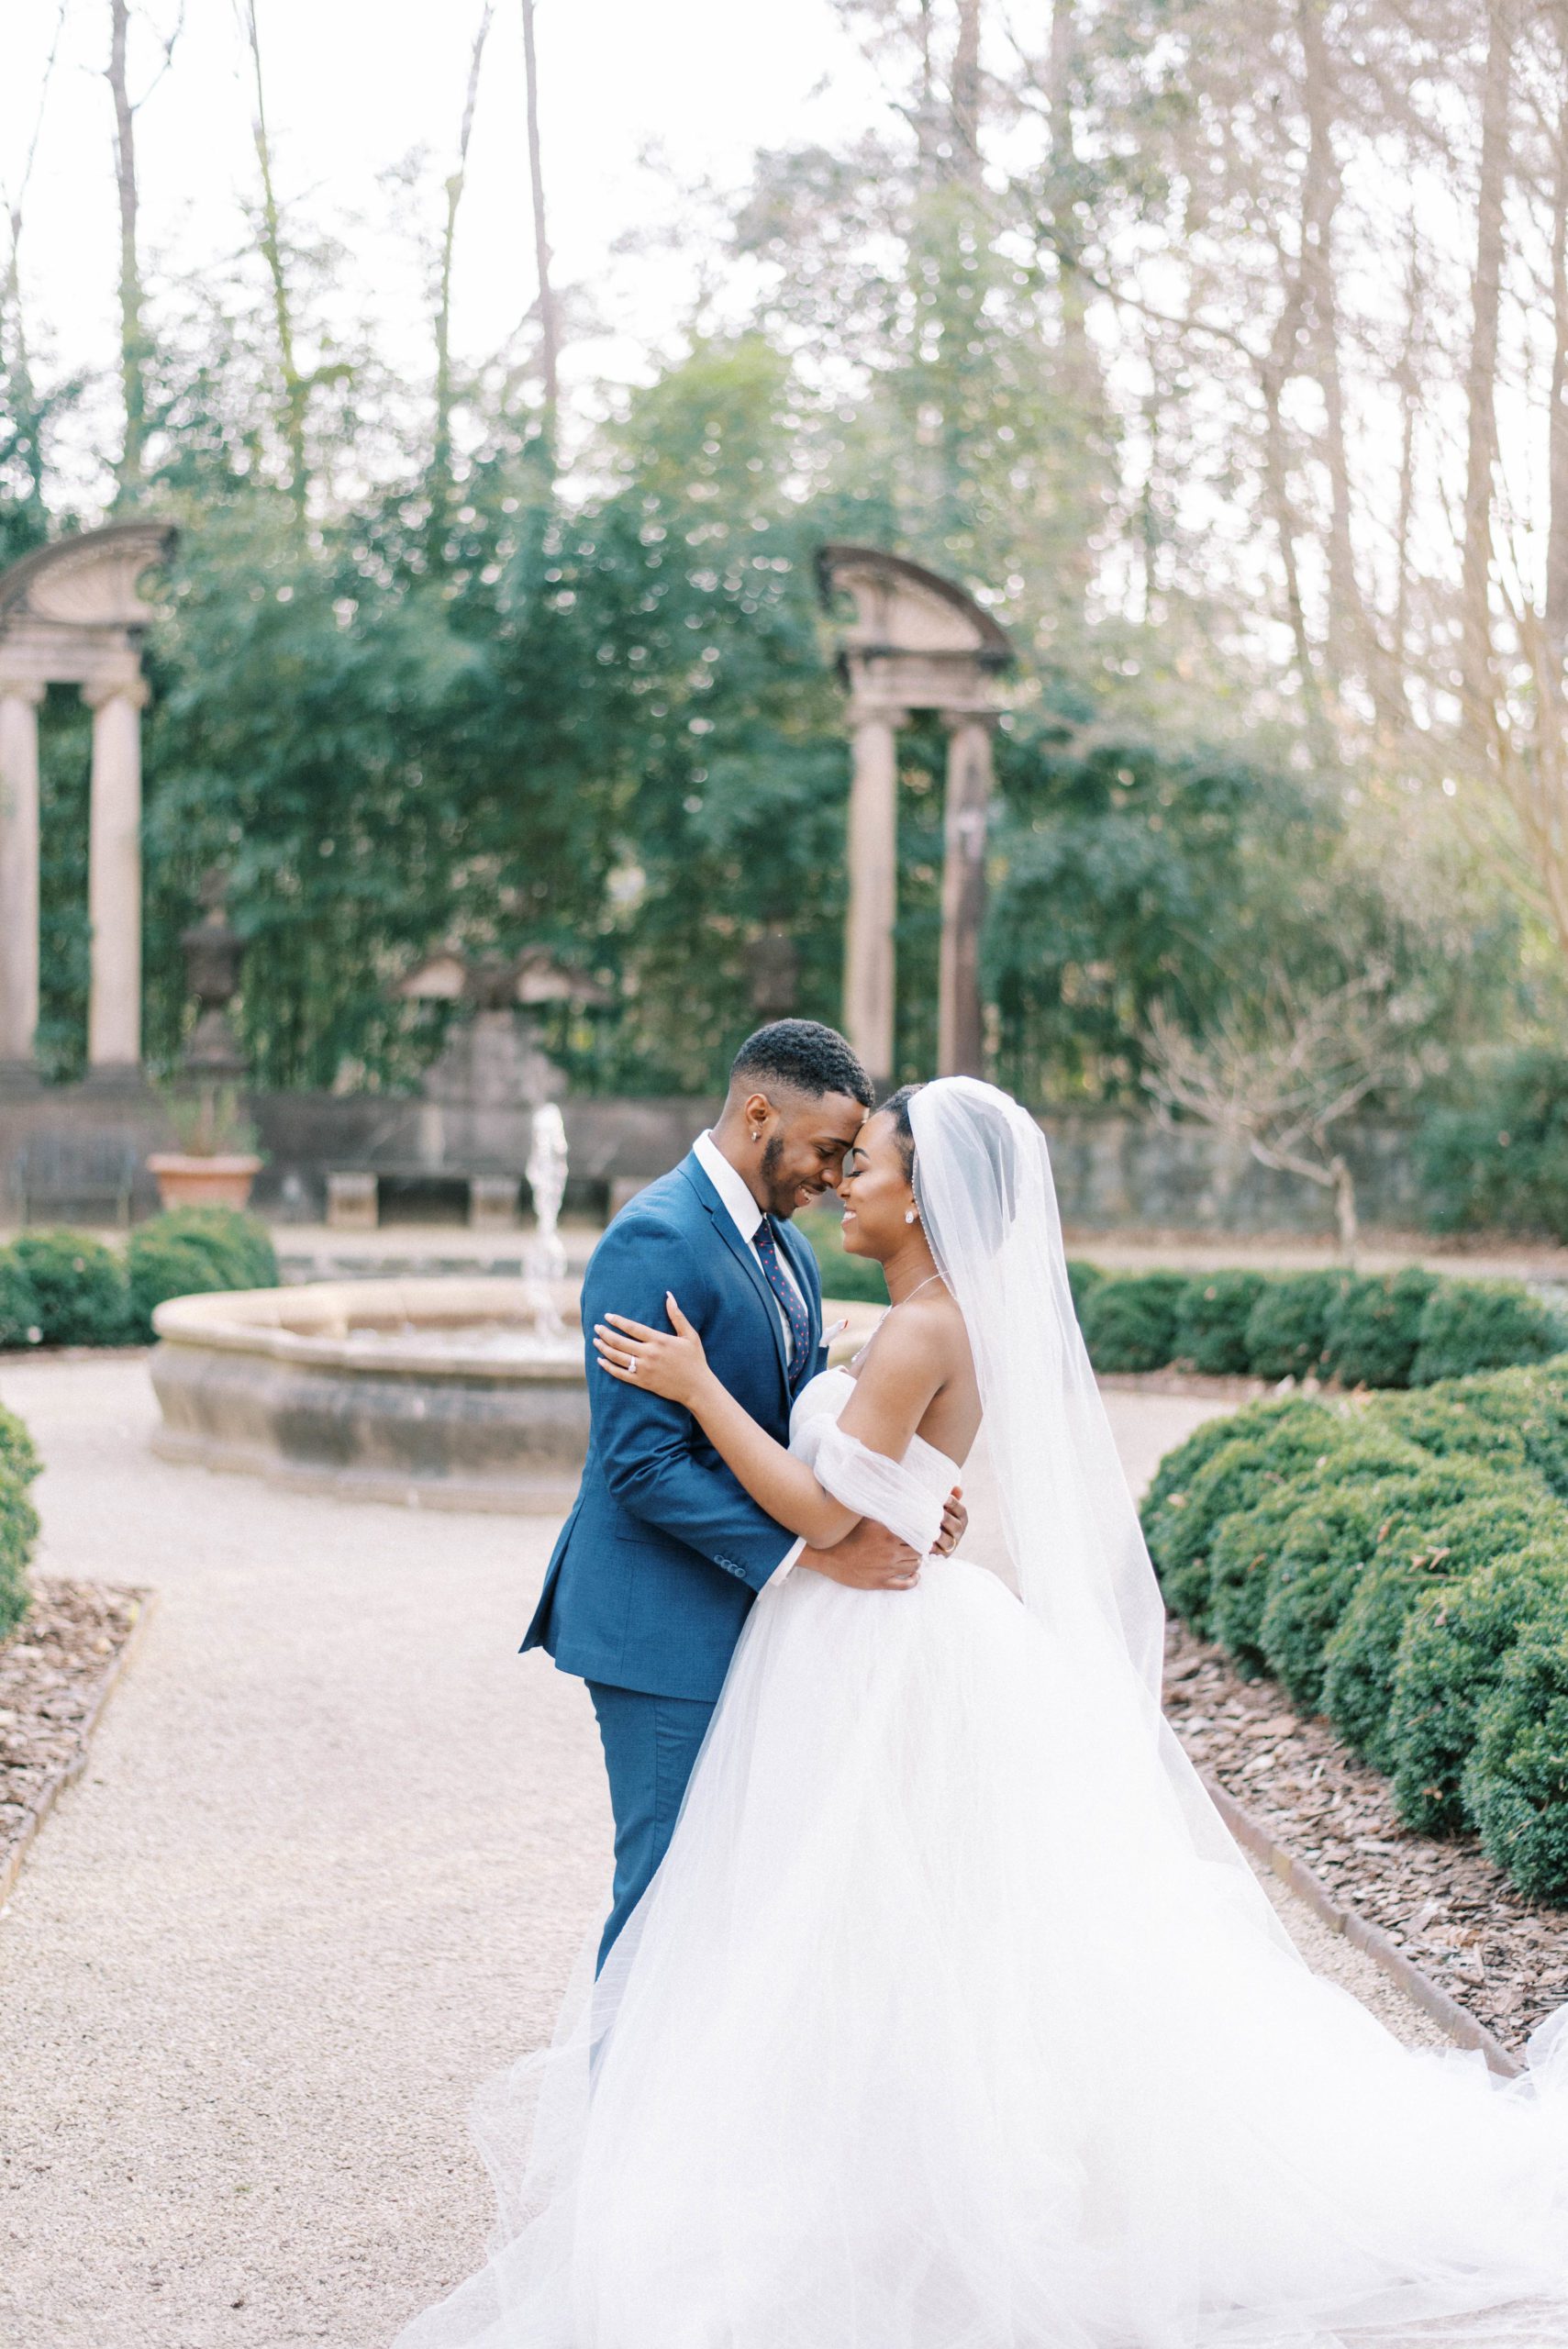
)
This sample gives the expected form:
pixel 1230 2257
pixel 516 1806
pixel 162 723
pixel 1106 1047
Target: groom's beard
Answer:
pixel 783 1201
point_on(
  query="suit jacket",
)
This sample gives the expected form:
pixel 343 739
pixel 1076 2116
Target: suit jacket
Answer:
pixel 663 1553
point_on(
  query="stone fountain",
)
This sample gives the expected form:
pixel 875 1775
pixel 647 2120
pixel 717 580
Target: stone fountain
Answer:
pixel 446 1393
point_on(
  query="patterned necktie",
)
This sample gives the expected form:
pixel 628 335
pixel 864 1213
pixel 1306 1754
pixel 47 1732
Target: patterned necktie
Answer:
pixel 794 1310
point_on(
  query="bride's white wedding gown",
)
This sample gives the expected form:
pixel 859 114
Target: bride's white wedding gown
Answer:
pixel 942 2027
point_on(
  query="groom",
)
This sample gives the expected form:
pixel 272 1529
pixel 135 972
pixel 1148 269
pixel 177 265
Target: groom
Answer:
pixel 663 1554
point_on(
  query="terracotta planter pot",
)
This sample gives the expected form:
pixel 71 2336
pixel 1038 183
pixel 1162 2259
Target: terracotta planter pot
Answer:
pixel 189 1182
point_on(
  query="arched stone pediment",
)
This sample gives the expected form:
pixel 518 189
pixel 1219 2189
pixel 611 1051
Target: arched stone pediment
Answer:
pixel 916 640
pixel 900 606
pixel 89 581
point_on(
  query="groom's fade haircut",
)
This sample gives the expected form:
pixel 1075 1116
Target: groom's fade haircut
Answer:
pixel 803 1056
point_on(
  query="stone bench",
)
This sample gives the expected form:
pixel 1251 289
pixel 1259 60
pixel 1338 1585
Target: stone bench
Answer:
pixel 70 1173
pixel 353 1196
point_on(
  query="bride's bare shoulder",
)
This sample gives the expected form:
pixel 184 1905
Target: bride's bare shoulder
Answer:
pixel 926 1331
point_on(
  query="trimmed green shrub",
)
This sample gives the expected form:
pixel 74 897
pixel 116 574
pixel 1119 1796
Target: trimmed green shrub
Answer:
pixel 1434 1548
pixel 1212 1319
pixel 19 1307
pixel 1327 1548
pixel 79 1285
pixel 1247 1546
pixel 1444 1420
pixel 1484 1325
pixel 1515 1782
pixel 1289 1325
pixel 239 1244
pixel 1129 1322
pixel 195 1250
pixel 1082 1277
pixel 1455 1644
pixel 1374 1328
pixel 18 1519
pixel 1269 1445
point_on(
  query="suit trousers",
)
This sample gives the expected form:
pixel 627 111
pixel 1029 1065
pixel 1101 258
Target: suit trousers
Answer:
pixel 651 1745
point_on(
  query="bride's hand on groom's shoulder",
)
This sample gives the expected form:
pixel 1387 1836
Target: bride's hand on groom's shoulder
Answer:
pixel 668 1363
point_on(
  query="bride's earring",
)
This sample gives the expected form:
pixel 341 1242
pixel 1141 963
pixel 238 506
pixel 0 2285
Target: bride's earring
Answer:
pixel 910 1216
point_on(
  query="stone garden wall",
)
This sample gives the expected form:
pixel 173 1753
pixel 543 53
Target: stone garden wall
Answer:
pixel 1114 1170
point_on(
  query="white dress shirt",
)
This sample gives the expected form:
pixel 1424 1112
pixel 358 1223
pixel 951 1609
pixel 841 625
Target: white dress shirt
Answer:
pixel 747 1217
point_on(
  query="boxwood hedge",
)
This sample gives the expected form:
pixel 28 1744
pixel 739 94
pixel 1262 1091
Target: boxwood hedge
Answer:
pixel 1212 1320
pixel 1401 1561
pixel 1421 1553
pixel 80 1287
pixel 1265 1446
pixel 1515 1782
pixel 65 1288
pixel 1484 1325
pixel 18 1519
pixel 1374 1328
pixel 1247 1545
pixel 20 1313
pixel 1455 1644
pixel 1391 1331
pixel 194 1249
pixel 1130 1321
pixel 1289 1325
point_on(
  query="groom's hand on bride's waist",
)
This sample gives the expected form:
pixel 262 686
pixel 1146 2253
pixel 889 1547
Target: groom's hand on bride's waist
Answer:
pixel 871 1558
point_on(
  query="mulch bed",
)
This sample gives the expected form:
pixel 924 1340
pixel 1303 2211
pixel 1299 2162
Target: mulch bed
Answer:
pixel 55 1671
pixel 1444 1904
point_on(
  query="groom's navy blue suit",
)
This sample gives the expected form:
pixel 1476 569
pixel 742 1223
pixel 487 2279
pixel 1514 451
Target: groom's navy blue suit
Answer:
pixel 663 1553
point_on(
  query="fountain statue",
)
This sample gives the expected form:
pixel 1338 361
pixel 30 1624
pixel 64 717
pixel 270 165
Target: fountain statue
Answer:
pixel 545 1170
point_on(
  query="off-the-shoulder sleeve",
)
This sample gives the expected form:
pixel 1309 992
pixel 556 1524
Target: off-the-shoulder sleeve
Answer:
pixel 877 1487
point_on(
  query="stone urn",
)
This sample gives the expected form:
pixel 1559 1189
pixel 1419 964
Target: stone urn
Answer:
pixel 215 1165
pixel 221 1179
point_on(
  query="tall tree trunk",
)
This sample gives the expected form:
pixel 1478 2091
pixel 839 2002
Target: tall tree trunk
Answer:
pixel 966 94
pixel 441 438
pixel 927 133
pixel 133 335
pixel 1481 376
pixel 1352 645
pixel 1276 480
pixel 1557 425
pixel 1080 372
pixel 1409 378
pixel 549 337
pixel 295 389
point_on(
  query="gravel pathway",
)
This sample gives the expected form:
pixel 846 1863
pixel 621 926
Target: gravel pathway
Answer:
pixel 331 1859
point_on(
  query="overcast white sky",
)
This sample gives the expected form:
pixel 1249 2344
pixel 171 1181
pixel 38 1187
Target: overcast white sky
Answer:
pixel 353 86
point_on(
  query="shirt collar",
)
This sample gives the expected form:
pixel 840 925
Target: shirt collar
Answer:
pixel 742 1208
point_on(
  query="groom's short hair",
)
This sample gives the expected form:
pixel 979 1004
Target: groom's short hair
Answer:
pixel 805 1056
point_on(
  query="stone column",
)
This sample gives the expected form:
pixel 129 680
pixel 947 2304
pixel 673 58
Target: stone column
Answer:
pixel 113 877
pixel 874 887
pixel 960 1046
pixel 19 699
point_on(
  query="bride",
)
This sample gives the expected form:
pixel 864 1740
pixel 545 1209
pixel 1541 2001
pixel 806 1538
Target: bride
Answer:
pixel 953 2019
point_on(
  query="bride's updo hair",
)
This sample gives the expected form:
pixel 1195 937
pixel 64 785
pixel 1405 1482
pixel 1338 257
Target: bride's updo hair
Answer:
pixel 896 1107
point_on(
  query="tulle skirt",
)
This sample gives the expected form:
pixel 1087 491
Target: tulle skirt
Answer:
pixel 935 2031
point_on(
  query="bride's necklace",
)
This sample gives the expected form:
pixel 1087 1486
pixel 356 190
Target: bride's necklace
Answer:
pixel 914 1291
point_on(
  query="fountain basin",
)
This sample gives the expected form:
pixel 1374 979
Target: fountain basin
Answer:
pixel 441 1394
